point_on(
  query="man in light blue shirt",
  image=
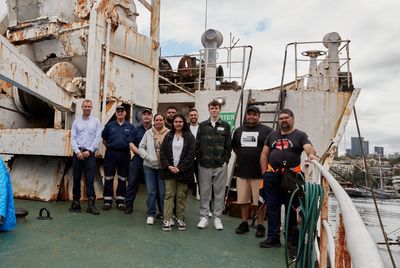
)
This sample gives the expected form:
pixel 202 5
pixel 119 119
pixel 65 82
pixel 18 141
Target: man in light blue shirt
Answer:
pixel 85 139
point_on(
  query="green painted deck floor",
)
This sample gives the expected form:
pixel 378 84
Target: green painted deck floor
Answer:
pixel 114 239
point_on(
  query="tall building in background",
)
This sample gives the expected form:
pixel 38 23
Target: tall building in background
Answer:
pixel 366 147
pixel 379 151
pixel 356 148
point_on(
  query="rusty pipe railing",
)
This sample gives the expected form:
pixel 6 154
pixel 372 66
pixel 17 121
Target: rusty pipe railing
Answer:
pixel 354 244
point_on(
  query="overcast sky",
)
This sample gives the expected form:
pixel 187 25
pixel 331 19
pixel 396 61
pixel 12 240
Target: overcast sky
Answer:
pixel 268 25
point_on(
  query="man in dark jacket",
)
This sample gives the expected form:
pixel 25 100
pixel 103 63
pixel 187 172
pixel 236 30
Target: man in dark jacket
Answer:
pixel 213 154
pixel 136 166
pixel 116 138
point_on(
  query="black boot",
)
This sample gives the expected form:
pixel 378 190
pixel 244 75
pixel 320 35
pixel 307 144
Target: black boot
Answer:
pixel 75 206
pixel 128 208
pixel 91 207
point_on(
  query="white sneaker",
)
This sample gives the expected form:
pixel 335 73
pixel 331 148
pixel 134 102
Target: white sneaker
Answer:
pixel 218 224
pixel 203 223
pixel 150 220
pixel 171 222
pixel 209 214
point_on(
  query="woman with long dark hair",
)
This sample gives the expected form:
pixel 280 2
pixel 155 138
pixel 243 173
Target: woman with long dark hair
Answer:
pixel 177 155
pixel 149 150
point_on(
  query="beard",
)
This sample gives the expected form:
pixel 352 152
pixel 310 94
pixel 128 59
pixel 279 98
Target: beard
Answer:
pixel 285 126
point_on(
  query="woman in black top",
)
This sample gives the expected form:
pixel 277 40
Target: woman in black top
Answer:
pixel 176 156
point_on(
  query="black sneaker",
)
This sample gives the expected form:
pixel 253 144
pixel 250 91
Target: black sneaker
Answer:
pixel 159 215
pixel 121 206
pixel 260 231
pixel 269 243
pixel 75 207
pixel 106 206
pixel 242 228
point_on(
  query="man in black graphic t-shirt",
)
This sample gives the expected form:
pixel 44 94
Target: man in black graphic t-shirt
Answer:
pixel 284 145
pixel 247 143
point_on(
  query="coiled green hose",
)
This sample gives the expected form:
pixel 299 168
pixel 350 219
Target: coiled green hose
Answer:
pixel 310 204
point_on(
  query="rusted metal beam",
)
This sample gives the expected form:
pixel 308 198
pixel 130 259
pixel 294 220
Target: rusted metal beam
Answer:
pixel 155 52
pixel 18 70
pixel 324 217
pixel 340 243
pixel 146 4
pixel 362 247
pixel 346 255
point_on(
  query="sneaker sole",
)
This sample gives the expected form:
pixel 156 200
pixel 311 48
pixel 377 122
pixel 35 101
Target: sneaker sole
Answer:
pixel 270 246
pixel 242 232
pixel 181 229
pixel 260 235
pixel 74 211
pixel 93 213
pixel 165 229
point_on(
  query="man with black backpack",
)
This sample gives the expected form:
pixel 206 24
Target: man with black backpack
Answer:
pixel 280 165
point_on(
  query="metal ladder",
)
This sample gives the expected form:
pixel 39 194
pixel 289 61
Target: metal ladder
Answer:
pixel 278 105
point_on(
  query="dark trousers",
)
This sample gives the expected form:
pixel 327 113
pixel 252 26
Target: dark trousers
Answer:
pixel 135 176
pixel 88 166
pixel 115 161
pixel 275 197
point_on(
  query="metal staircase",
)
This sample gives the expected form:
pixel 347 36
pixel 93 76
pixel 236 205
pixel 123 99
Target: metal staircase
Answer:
pixel 269 112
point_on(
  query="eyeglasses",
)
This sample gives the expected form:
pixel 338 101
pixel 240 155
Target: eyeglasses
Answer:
pixel 120 111
pixel 284 118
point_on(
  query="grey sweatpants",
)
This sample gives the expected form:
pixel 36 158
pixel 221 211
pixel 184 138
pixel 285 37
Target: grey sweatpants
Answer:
pixel 212 178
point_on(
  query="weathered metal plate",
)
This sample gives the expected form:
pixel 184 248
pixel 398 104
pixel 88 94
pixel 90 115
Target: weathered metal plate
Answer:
pixel 35 141
pixel 37 177
pixel 18 70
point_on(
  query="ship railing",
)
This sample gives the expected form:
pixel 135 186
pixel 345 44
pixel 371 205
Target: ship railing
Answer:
pixel 352 245
pixel 187 72
pixel 305 67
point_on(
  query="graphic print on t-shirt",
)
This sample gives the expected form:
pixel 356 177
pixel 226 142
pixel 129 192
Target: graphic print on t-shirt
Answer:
pixel 249 139
pixel 285 144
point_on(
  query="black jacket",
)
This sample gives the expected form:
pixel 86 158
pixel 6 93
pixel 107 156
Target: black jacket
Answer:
pixel 185 164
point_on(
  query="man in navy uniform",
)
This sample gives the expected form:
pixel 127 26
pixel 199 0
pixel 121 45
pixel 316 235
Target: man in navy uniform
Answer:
pixel 116 138
pixel 136 166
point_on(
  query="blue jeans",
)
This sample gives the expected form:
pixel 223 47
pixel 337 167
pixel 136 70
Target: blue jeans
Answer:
pixel 153 182
pixel 275 197
pixel 134 177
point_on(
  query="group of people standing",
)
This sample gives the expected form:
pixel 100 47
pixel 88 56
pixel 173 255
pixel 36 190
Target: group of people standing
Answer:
pixel 168 151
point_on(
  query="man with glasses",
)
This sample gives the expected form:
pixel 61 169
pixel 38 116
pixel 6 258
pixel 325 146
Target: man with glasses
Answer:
pixel 116 138
pixel 283 148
